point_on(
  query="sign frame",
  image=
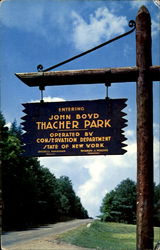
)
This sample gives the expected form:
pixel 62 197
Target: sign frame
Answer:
pixel 74 128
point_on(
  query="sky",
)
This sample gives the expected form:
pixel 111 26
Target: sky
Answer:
pixel 49 31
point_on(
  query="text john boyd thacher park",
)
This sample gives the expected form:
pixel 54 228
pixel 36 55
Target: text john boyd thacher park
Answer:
pixel 71 122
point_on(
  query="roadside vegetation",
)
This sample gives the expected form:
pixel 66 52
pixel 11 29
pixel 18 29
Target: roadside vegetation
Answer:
pixel 32 195
pixel 119 205
pixel 102 235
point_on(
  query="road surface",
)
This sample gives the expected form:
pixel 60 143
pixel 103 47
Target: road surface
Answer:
pixel 40 238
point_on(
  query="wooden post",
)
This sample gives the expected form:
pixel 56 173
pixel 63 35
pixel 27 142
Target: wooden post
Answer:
pixel 144 132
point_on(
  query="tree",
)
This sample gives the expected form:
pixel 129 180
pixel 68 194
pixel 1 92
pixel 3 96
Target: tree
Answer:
pixel 70 204
pixel 31 194
pixel 108 206
pixel 3 136
pixel 16 130
pixel 28 189
pixel 79 211
pixel 156 211
pixel 119 205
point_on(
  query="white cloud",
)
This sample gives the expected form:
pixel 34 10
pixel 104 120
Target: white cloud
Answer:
pixel 8 125
pixel 130 133
pixel 157 3
pixel 28 18
pixel 156 128
pixel 105 173
pixel 50 99
pixel 157 158
pixel 94 176
pixel 36 18
pixel 102 25
pixel 155 26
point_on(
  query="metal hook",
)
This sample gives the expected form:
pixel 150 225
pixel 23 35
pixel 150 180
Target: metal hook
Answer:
pixel 41 88
pixel 107 84
pixel 40 67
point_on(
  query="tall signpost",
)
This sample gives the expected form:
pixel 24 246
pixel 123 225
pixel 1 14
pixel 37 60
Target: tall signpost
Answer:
pixel 143 74
pixel 144 132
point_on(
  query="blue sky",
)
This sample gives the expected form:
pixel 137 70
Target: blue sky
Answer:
pixel 48 31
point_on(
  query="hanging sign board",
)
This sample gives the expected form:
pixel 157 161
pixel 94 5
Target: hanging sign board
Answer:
pixel 74 128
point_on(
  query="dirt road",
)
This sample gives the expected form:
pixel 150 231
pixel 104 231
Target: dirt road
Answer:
pixel 41 238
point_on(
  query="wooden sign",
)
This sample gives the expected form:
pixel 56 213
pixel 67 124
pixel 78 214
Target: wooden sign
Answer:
pixel 74 128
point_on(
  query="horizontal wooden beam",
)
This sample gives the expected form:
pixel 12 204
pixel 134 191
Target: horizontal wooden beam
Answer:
pixel 86 76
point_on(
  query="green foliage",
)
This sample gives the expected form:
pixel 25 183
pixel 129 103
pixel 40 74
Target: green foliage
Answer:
pixel 119 205
pixel 3 133
pixel 156 211
pixel 31 194
pixel 16 130
pixel 69 202
pixel 102 235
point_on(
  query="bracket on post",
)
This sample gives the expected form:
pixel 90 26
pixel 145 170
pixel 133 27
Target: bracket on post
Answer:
pixel 131 24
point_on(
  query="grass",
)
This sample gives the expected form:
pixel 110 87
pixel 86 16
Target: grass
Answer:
pixel 101 235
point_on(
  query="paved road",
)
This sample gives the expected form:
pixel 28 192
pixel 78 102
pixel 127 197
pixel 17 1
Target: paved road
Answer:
pixel 16 237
